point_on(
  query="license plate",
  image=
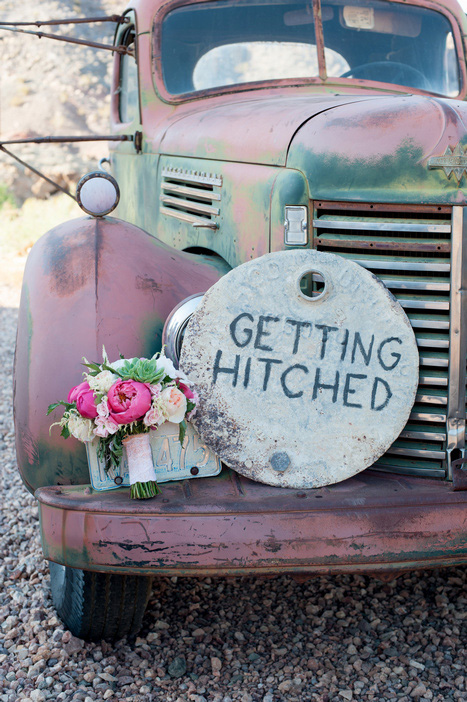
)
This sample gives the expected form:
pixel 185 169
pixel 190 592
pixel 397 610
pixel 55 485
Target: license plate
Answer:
pixel 171 460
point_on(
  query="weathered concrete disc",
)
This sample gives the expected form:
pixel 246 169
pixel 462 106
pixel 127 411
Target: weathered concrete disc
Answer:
pixel 294 391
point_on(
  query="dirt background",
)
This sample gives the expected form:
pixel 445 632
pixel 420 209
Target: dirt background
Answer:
pixel 53 88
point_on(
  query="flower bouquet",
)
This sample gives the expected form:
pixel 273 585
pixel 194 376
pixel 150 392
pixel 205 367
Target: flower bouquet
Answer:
pixel 120 403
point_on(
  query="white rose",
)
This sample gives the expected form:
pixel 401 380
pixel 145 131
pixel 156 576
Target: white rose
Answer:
pixel 102 382
pixel 174 404
pixel 81 428
pixel 165 364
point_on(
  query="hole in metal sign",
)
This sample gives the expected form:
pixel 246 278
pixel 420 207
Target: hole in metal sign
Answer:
pixel 312 285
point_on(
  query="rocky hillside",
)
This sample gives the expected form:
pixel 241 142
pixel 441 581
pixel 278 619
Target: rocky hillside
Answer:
pixel 53 88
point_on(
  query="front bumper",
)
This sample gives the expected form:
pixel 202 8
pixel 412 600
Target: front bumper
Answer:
pixel 229 525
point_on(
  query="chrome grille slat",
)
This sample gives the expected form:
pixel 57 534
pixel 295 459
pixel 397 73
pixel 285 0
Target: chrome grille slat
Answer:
pixel 423 435
pixel 415 453
pixel 428 285
pixel 382 226
pixel 414 264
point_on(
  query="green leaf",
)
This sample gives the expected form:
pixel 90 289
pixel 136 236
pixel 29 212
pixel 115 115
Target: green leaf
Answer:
pixel 65 432
pixel 52 407
pixel 92 366
pixel 112 370
pixel 67 405
pixel 182 431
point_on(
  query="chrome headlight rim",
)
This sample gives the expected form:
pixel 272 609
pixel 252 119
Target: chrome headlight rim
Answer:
pixel 175 325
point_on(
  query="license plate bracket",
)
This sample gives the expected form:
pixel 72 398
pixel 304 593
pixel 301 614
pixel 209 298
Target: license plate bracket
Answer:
pixel 171 460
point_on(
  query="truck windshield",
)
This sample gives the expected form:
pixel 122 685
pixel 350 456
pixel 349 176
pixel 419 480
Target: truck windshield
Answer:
pixel 215 44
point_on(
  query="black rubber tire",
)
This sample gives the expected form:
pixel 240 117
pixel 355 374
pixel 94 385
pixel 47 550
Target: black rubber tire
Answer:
pixel 95 606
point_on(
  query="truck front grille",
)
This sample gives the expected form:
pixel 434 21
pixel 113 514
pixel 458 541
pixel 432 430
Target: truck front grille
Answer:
pixel 409 249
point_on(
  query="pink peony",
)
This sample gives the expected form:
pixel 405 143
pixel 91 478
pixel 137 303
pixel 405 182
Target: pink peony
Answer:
pixel 84 398
pixel 128 401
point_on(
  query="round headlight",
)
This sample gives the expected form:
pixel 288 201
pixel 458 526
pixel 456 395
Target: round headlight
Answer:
pixel 98 193
pixel 175 325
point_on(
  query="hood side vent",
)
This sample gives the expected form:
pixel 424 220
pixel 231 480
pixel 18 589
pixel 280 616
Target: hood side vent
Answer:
pixel 191 196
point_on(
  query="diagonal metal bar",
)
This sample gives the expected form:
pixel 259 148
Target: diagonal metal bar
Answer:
pixel 67 139
pixel 79 20
pixel 71 40
pixel 34 170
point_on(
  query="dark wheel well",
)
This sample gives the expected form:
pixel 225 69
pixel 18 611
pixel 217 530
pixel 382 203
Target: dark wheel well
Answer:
pixel 95 606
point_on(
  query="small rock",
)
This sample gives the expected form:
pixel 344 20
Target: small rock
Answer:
pixel 239 636
pixel 73 646
pixel 125 680
pixel 178 667
pixel 416 664
pixel 161 625
pixel 285 686
pixel 418 691
pixel 253 657
pixel 216 664
pixel 346 694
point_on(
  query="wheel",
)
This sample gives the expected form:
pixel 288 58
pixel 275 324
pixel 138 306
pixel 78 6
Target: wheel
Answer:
pixel 95 606
pixel 391 72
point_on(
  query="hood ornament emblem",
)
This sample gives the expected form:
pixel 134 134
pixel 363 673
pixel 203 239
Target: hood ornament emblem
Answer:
pixel 452 161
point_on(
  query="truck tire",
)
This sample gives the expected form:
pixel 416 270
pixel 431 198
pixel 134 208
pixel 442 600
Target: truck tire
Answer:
pixel 95 606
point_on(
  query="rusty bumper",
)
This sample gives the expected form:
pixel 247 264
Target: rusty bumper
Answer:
pixel 231 525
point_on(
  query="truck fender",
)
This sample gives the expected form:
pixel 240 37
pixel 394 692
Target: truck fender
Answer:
pixel 88 282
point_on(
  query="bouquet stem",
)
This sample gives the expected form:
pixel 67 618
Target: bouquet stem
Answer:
pixel 142 491
pixel 141 468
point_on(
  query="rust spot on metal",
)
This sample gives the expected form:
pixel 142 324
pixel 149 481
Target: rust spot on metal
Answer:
pixel 459 474
pixel 147 284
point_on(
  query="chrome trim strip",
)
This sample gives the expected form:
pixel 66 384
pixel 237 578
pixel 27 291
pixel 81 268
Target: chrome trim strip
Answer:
pixel 426 342
pixel 382 264
pixel 428 417
pixel 407 470
pixel 416 453
pixel 434 361
pixel 428 399
pixel 416 285
pixel 432 380
pixel 458 334
pixel 427 323
pixel 423 435
pixel 422 304
pixel 382 226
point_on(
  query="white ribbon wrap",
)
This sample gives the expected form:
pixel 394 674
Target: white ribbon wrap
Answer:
pixel 140 465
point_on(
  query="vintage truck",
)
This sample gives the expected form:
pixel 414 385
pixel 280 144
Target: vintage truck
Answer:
pixel 256 126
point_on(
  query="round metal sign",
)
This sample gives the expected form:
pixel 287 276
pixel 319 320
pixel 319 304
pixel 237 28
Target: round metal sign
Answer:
pixel 306 367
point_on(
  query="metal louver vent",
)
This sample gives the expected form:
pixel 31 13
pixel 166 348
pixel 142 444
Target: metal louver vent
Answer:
pixel 191 197
pixel 410 251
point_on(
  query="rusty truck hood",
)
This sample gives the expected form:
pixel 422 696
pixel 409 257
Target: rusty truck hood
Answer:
pixel 251 130
pixel 396 148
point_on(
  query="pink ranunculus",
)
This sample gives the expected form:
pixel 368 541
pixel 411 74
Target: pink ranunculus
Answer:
pixel 128 401
pixel 105 426
pixel 84 398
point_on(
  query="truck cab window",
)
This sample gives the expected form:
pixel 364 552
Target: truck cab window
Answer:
pixel 261 60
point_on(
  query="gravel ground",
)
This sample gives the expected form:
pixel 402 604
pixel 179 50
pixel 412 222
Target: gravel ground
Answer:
pixel 341 638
